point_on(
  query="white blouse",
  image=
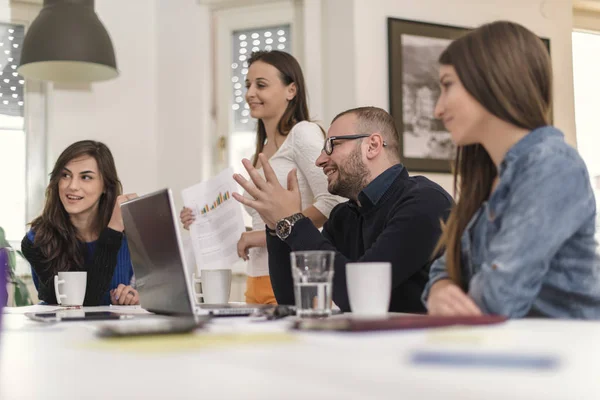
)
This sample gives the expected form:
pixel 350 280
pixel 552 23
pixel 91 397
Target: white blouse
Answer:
pixel 300 150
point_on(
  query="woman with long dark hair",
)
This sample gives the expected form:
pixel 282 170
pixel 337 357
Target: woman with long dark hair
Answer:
pixel 520 240
pixel 81 228
pixel 276 95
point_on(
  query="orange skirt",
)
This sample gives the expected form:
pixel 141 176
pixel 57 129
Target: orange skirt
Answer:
pixel 259 290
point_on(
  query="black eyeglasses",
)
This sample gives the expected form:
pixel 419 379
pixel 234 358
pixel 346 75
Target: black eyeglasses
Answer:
pixel 328 146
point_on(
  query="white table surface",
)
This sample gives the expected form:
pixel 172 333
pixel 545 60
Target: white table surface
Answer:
pixel 58 361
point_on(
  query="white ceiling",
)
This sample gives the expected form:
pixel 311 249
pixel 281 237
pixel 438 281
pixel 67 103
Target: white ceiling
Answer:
pixel 582 5
pixel 211 3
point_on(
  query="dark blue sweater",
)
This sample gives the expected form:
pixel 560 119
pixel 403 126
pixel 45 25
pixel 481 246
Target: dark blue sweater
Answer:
pixel 400 224
pixel 107 262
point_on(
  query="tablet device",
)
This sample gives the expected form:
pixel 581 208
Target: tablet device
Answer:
pixel 75 315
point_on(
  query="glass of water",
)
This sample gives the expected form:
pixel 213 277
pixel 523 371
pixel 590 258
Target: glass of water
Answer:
pixel 313 275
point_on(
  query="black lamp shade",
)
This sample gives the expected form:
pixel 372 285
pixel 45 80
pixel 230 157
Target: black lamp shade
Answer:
pixel 68 43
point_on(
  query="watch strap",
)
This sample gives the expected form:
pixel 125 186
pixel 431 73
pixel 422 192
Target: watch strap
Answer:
pixel 295 218
pixel 270 231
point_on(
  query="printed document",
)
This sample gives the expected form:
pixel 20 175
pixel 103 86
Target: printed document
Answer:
pixel 219 222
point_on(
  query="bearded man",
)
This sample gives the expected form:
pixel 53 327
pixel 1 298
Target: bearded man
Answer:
pixel 389 216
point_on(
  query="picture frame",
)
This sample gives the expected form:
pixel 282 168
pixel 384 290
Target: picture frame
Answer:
pixel 413 51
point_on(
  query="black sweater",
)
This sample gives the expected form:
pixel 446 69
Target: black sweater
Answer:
pixel 99 272
pixel 403 228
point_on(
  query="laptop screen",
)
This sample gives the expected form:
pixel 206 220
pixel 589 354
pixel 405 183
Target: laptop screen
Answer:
pixel 157 254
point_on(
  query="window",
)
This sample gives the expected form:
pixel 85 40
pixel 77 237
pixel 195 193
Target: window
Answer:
pixel 23 176
pixel 13 146
pixel 587 86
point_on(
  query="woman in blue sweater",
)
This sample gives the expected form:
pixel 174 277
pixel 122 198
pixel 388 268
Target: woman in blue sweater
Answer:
pixel 81 228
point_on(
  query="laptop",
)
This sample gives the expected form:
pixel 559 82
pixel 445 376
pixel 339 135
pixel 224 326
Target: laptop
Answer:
pixel 158 260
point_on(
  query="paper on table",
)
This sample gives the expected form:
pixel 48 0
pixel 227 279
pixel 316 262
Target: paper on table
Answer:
pixel 34 308
pixel 219 222
pixel 137 309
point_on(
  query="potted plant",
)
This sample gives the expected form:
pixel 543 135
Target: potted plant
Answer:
pixel 8 264
pixel 3 293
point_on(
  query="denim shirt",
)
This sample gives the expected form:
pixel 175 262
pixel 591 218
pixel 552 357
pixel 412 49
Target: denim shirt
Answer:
pixel 530 249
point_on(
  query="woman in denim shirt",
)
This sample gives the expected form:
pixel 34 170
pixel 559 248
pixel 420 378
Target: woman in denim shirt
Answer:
pixel 520 241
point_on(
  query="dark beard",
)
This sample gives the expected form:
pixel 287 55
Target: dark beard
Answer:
pixel 352 177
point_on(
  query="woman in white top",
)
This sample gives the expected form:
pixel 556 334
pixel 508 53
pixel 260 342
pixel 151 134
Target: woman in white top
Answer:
pixel 276 95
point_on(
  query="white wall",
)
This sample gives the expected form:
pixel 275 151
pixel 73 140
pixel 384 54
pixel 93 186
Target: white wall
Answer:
pixel 184 88
pixel 154 115
pixel 120 112
pixel 369 86
pixel 339 50
pixel 310 19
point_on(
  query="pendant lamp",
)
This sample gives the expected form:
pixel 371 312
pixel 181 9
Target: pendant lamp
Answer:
pixel 68 43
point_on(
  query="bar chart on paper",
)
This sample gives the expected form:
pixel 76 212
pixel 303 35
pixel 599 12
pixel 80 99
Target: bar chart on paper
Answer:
pixel 219 222
pixel 221 198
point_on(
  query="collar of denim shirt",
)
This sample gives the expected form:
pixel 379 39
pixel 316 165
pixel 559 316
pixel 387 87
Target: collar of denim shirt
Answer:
pixel 534 137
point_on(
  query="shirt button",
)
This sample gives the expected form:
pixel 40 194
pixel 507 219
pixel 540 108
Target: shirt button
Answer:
pixel 494 267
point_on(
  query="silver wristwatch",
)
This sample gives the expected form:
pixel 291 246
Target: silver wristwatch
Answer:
pixel 284 226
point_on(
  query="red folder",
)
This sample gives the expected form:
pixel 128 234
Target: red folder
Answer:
pixel 394 323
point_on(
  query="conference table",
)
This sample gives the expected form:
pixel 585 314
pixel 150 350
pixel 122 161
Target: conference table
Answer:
pixel 249 358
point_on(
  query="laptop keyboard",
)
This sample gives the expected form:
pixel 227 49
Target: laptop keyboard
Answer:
pixel 224 311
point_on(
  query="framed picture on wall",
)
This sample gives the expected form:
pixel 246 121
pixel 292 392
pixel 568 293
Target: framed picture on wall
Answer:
pixel 413 50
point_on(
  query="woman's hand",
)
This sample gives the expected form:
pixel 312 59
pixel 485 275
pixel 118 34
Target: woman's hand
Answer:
pixel 124 295
pixel 116 220
pixel 249 240
pixel 447 299
pixel 187 217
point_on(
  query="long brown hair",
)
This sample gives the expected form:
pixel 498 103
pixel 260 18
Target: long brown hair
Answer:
pixel 55 235
pixel 507 69
pixel 297 108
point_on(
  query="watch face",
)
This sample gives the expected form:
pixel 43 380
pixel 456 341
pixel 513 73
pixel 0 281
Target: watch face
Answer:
pixel 283 229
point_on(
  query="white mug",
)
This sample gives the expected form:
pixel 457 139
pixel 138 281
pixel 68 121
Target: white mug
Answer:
pixel 73 287
pixel 216 286
pixel 369 288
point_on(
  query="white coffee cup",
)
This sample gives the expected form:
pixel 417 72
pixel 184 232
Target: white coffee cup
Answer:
pixel 216 286
pixel 369 288
pixel 73 287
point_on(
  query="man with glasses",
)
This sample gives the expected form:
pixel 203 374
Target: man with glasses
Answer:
pixel 390 216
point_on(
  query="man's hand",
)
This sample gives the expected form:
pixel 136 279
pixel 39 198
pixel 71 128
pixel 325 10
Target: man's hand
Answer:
pixel 447 299
pixel 271 200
